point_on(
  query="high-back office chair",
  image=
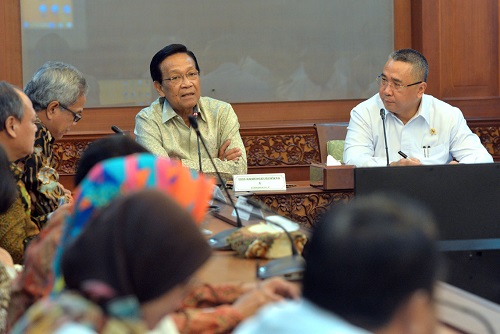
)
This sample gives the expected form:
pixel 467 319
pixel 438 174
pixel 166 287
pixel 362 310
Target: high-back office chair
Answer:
pixel 331 137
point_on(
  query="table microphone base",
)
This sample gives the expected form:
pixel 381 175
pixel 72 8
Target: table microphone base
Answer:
pixel 290 268
pixel 219 241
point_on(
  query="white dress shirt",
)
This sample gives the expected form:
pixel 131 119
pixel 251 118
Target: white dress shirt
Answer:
pixel 437 134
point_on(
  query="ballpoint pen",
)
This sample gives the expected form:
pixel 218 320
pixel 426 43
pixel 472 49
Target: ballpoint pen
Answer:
pixel 403 155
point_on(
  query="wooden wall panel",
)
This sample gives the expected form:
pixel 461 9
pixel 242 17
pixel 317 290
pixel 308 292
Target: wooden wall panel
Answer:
pixel 460 41
pixel 402 24
pixel 10 42
pixel 468 38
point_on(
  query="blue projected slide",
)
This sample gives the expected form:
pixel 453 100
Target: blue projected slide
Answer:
pixel 43 14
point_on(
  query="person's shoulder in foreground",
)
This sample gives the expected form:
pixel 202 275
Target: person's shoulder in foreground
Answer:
pixel 297 317
pixel 371 267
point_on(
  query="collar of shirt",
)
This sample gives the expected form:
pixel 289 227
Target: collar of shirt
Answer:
pixel 168 112
pixel 42 129
pixel 424 109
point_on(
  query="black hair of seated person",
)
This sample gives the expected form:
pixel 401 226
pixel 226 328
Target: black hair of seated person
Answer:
pixel 143 244
pixel 159 57
pixel 8 189
pixel 367 257
pixel 112 146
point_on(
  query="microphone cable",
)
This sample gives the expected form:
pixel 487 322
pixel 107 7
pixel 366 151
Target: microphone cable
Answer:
pixel 199 153
pixel 382 115
pixel 194 124
pixel 258 205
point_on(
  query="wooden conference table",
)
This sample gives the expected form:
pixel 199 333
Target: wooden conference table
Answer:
pixel 458 310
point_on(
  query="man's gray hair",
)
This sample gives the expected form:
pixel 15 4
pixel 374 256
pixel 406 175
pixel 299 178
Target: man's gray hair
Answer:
pixel 11 103
pixel 56 81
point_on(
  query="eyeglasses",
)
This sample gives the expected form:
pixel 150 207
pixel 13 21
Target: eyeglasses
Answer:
pixel 76 116
pixel 383 82
pixel 177 79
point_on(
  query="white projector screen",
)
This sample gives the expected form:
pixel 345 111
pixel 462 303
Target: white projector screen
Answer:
pixel 248 51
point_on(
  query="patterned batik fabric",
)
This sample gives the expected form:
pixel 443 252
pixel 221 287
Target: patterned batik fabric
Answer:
pixel 41 177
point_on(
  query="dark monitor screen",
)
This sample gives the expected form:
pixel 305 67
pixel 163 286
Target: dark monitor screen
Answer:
pixel 464 198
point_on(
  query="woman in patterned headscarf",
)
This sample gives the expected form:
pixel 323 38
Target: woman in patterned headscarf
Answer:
pixel 123 175
pixel 128 267
pixel 213 309
pixel 107 180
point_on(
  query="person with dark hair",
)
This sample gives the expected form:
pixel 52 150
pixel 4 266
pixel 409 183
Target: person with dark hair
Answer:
pixel 17 135
pixel 401 118
pixel 122 272
pixel 105 148
pixel 371 268
pixel 164 127
pixel 58 92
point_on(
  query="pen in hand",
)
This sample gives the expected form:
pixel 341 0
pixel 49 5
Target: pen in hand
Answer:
pixel 403 155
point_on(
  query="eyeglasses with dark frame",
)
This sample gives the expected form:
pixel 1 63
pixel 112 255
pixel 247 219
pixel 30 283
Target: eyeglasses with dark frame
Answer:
pixel 383 82
pixel 76 116
pixel 177 79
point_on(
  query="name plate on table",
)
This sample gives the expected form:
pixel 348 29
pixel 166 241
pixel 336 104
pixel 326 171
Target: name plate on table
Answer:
pixel 332 177
pixel 259 182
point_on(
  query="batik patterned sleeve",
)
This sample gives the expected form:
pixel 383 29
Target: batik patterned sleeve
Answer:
pixel 221 319
pixel 41 177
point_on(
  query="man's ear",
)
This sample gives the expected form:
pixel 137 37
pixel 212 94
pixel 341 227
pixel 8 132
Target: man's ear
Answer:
pixel 51 109
pixel 421 89
pixel 158 88
pixel 11 125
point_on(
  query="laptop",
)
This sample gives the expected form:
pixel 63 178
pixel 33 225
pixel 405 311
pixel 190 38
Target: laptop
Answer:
pixel 465 200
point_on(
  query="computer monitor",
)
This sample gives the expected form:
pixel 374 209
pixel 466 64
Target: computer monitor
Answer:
pixel 465 200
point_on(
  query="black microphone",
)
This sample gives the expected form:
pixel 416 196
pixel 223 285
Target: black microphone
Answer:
pixel 382 115
pixel 117 130
pixel 289 267
pixel 194 123
pixel 219 240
